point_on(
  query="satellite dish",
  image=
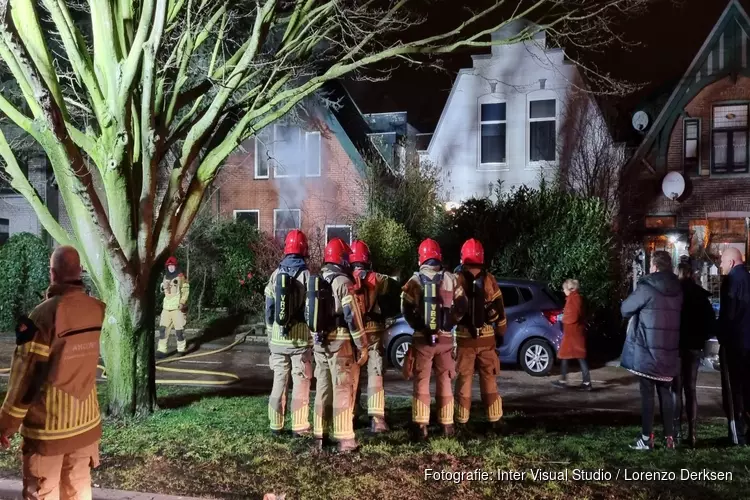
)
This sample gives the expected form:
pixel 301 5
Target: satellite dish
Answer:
pixel 640 121
pixel 673 185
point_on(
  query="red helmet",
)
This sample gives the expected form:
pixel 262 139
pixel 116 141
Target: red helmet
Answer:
pixel 472 252
pixel 172 261
pixel 360 252
pixel 429 249
pixel 337 252
pixel 295 243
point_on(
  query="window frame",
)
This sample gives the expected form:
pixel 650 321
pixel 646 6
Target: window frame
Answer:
pixel 731 169
pixel 340 226
pixel 256 211
pixel 256 157
pixel 530 120
pixel 275 217
pixel 491 166
pixel 697 159
pixel 308 134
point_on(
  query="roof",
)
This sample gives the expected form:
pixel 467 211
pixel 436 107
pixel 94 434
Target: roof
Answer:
pixel 724 52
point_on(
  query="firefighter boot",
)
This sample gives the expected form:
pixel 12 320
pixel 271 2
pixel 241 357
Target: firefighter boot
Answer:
pixel 348 445
pixel 162 346
pixel 181 342
pixel 419 432
pixel 449 430
pixel 378 425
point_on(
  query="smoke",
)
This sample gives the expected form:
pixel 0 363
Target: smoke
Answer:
pixel 292 155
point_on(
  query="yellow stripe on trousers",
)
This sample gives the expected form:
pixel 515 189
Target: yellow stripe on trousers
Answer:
pixel 420 412
pixel 376 404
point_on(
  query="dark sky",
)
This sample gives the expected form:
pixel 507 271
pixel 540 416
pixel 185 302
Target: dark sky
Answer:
pixel 669 35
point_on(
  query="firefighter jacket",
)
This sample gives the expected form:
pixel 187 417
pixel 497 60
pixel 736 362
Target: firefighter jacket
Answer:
pixel 375 288
pixel 176 290
pixel 452 294
pixel 495 321
pixel 52 389
pixel 349 325
pixel 298 338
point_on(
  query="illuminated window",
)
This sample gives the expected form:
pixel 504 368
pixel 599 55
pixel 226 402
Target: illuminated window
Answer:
pixel 542 130
pixel 692 133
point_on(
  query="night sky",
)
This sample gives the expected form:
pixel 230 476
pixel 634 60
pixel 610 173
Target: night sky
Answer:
pixel 670 35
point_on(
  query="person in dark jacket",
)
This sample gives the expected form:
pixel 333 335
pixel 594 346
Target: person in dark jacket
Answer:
pixel 697 324
pixel 651 348
pixel 734 343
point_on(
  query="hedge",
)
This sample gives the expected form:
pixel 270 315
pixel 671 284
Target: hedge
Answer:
pixel 24 277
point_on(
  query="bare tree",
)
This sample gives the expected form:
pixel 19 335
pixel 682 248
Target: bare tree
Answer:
pixel 143 100
pixel 590 160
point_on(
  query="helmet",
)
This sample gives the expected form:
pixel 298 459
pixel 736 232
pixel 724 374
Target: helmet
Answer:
pixel 172 261
pixel 429 249
pixel 472 252
pixel 337 252
pixel 295 243
pixel 360 252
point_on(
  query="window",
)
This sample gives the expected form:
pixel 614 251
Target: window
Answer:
pixel 343 232
pixel 692 142
pixel 4 230
pixel 249 216
pixel 526 294
pixel 542 130
pixel 492 124
pixel 262 153
pixel 296 152
pixel 284 221
pixel 510 296
pixel 729 139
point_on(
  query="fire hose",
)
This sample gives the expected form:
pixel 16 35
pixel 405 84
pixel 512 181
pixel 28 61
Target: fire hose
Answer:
pixel 231 378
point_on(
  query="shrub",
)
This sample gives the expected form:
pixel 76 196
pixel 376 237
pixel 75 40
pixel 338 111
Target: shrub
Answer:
pixel 24 277
pixel 393 250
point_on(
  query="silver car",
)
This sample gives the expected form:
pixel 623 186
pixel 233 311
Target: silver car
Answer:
pixel 534 328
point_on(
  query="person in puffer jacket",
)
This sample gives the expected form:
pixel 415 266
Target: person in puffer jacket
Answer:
pixel 652 344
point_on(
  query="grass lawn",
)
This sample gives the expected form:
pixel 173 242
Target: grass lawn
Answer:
pixel 204 444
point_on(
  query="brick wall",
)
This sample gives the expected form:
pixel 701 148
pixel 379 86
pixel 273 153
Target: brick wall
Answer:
pixel 704 193
pixel 334 198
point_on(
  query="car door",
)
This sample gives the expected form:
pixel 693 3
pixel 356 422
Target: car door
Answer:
pixel 514 312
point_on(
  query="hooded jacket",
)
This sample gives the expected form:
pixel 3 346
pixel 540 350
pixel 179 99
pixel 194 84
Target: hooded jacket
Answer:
pixel 698 320
pixel 652 343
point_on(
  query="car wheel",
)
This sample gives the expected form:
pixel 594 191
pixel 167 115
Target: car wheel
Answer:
pixel 537 357
pixel 398 351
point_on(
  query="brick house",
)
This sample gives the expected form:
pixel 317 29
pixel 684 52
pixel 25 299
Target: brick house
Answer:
pixel 698 135
pixel 308 175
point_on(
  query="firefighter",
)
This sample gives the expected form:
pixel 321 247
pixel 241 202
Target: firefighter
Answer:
pixel 372 292
pixel 176 290
pixel 289 338
pixel 340 346
pixel 432 301
pixel 52 388
pixel 478 334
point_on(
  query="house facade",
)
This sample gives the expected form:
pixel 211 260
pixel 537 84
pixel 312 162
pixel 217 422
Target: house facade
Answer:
pixel 688 183
pixel 503 120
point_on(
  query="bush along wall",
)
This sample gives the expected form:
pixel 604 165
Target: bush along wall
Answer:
pixel 393 250
pixel 24 277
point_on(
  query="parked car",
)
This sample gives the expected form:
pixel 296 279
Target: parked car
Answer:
pixel 534 328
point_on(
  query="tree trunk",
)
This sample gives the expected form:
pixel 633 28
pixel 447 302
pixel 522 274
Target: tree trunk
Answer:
pixel 128 353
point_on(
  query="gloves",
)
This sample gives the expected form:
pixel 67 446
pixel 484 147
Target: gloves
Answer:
pixel 363 357
pixel 4 438
pixel 183 308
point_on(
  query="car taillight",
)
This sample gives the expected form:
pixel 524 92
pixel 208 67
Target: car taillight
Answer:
pixel 552 315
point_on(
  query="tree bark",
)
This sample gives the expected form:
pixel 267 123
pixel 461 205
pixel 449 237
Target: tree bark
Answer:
pixel 128 353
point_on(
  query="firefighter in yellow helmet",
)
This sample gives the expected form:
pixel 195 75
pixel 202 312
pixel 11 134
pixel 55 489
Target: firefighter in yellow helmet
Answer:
pixel 174 310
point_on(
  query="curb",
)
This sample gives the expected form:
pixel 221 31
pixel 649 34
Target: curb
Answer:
pixel 10 489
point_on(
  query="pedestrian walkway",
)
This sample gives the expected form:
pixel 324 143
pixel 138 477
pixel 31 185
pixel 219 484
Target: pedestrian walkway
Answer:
pixel 10 489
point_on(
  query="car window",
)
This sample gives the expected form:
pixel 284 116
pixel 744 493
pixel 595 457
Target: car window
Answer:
pixel 526 293
pixel 510 296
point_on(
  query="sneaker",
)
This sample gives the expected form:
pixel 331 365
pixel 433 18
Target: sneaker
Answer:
pixel 643 443
pixel 669 442
pixel 560 384
pixel 585 386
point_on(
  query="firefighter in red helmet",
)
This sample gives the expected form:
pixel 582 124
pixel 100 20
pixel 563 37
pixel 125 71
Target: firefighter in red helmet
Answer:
pixel 174 309
pixel 478 334
pixel 374 293
pixel 340 346
pixel 432 302
pixel 289 339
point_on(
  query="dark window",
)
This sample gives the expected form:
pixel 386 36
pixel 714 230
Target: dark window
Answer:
pixel 692 143
pixel 4 230
pixel 542 130
pixel 729 139
pixel 284 221
pixel 526 293
pixel 343 232
pixel 492 118
pixel 510 296
pixel 249 216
